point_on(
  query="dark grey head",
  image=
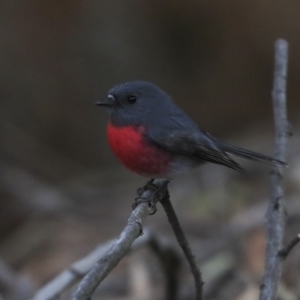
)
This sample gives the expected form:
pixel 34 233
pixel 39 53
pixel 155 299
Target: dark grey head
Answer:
pixel 135 103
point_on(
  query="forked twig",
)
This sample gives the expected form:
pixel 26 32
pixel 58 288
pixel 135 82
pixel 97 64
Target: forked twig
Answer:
pixel 121 246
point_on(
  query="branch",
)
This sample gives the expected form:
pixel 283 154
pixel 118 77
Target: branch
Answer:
pixel 15 287
pixel 286 251
pixel 276 210
pixel 170 261
pixel 168 256
pixel 121 246
pixel 182 241
pixel 80 268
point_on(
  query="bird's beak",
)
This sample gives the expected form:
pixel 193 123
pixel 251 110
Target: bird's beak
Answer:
pixel 108 102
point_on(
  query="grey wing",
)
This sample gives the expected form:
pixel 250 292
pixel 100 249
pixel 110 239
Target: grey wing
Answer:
pixel 198 145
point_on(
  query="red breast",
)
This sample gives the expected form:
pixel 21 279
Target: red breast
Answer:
pixel 137 153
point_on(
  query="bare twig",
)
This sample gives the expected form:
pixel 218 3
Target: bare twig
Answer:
pixel 182 241
pixel 15 287
pixel 122 245
pixel 276 209
pixel 80 268
pixel 170 262
pixel 165 252
pixel 285 251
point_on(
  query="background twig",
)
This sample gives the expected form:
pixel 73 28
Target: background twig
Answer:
pixel 182 241
pixel 15 286
pixel 276 209
pixel 285 251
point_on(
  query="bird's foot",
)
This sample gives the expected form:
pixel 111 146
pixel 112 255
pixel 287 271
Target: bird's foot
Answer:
pixel 151 204
pixel 149 186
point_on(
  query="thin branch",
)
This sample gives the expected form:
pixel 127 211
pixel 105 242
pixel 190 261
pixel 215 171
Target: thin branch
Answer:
pixel 276 210
pixel 80 268
pixel 15 287
pixel 182 241
pixel 286 251
pixel 170 261
pixel 120 248
pixel 165 251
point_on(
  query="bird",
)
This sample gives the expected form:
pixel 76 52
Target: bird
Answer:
pixel 153 137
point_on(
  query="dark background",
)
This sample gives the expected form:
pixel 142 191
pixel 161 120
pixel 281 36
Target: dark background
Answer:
pixel 63 192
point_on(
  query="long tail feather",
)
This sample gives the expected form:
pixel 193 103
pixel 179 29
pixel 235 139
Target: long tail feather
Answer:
pixel 251 155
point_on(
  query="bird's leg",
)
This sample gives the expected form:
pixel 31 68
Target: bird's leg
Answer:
pixel 149 200
pixel 140 191
pixel 147 186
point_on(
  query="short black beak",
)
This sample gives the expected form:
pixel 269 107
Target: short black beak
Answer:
pixel 108 102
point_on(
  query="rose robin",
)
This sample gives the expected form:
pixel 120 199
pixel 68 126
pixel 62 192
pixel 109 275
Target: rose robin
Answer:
pixel 153 137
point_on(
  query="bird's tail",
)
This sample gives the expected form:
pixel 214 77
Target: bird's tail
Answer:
pixel 251 155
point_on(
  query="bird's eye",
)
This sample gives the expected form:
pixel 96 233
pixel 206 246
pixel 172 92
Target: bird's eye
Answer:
pixel 131 99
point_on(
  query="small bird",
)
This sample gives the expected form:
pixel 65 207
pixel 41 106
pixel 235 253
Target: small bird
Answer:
pixel 153 137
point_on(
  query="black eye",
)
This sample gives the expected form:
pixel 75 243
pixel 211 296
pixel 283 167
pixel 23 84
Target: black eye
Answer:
pixel 131 99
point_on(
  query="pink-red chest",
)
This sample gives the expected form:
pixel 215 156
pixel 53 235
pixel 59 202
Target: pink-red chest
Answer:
pixel 136 153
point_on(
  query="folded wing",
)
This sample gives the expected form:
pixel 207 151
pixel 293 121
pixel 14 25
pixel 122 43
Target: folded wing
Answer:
pixel 200 145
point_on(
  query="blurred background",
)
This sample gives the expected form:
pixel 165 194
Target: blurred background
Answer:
pixel 62 190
